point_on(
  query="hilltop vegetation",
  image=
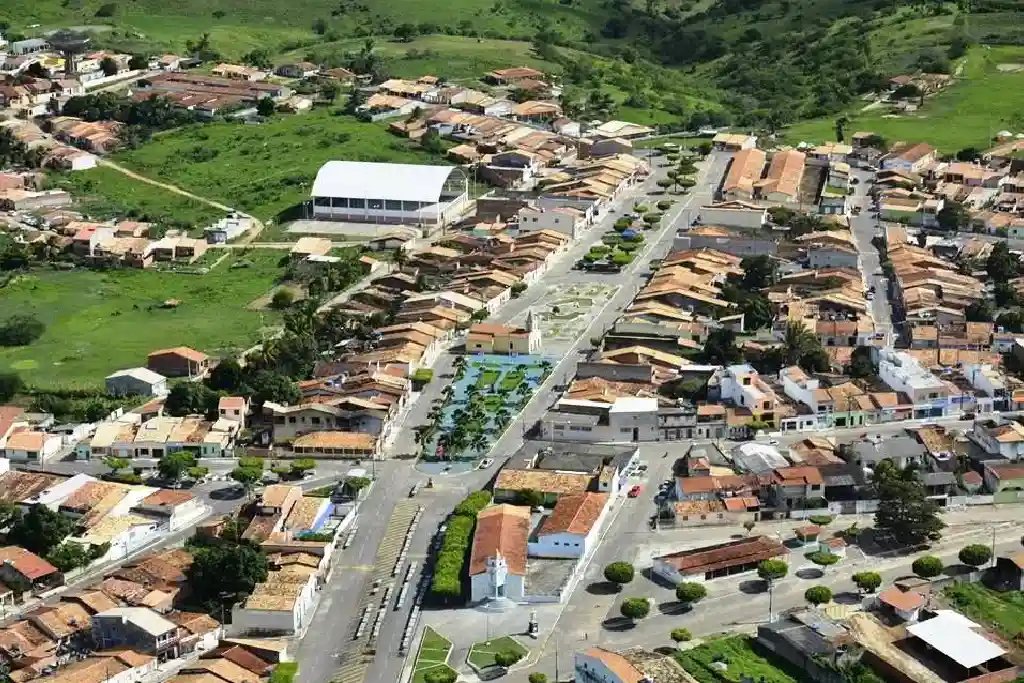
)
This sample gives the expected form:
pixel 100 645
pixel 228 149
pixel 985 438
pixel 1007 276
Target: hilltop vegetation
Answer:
pixel 682 62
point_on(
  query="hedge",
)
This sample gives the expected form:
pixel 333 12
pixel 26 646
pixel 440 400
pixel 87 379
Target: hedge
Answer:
pixel 447 581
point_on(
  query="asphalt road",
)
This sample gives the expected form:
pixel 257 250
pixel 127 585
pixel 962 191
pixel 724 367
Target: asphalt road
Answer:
pixel 323 649
pixel 864 227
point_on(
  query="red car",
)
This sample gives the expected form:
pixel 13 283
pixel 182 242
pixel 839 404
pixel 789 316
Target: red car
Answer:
pixel 634 492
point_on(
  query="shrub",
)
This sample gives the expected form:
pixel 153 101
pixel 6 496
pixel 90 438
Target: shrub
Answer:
pixel 473 503
pixel 772 570
pixel 680 635
pixel 441 674
pixel 447 581
pixel 818 595
pixel 975 555
pixel 665 204
pixel 107 10
pixel 622 258
pixel 640 208
pixel 619 573
pixel 20 330
pixel 282 298
pixel 635 608
pixel 690 592
pixel 867 581
pixel 537 677
pixel 927 567
pixel 820 520
pixel 507 659
pixel 423 375
pixel 284 672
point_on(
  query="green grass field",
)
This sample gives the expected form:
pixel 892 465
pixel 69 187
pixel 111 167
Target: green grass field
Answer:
pixel 1004 612
pixel 983 102
pixel 738 654
pixel 482 654
pixel 264 169
pixel 98 322
pixel 433 654
pixel 104 193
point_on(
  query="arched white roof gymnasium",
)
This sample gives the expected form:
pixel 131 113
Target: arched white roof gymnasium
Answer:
pixel 368 180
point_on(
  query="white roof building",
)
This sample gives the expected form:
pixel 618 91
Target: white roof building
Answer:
pixel 368 192
pixel 953 635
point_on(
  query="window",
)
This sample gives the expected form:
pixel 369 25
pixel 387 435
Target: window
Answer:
pixel 393 205
pixel 357 203
pixel 314 420
pixel 291 419
pixel 339 203
pixel 375 204
pixel 322 201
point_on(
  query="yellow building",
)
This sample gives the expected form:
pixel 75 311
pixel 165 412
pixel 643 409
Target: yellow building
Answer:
pixel 493 338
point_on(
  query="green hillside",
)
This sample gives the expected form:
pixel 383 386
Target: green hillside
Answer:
pixel 679 62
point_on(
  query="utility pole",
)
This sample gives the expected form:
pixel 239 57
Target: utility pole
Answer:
pixel 557 679
pixel 993 560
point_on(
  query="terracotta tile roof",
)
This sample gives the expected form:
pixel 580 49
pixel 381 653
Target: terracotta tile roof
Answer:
pixel 95 601
pixel 711 558
pixel 809 530
pixel 62 620
pixel 901 600
pixel 504 530
pixel 351 440
pixel 182 351
pixel 29 565
pixel 240 656
pixel 798 476
pixel 741 503
pixel 620 667
pixel 1006 471
pixel 543 481
pixel 167 497
pixel 27 440
pixel 128 657
pixel 972 478
pixel 194 622
pixel 233 402
pixel 8 416
pixel 575 514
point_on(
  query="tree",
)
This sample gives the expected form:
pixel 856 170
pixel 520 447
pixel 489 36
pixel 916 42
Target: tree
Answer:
pixel 20 330
pixel 115 463
pixel 980 311
pixel 1001 264
pixel 329 90
pixel 225 376
pixel 862 363
pixel 108 9
pixel 507 658
pixel 798 342
pixel 247 476
pixel 11 385
pixel 690 592
pixel 927 567
pixel 138 63
pixel 619 573
pixel 840 127
pixel 173 465
pixel 303 465
pixel 268 385
pixel 818 595
pixel 720 347
pixel 749 526
pixel 867 581
pixel 40 530
pixel 823 559
pixel 904 510
pixel 220 575
pixel 69 555
pixel 9 514
pixel 405 32
pixel 953 216
pixel 190 398
pixel 432 142
pixel 975 555
pixel 282 299
pixel 635 608
pixel 680 635
pixel 266 106
pixel 758 272
pixel 772 570
pixel 537 677
pixel 530 498
pixel 108 66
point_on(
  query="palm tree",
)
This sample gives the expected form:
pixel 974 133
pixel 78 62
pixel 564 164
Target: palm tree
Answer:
pixel 479 442
pixel 798 341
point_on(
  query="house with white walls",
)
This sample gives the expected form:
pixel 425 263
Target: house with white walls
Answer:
pixel 571 528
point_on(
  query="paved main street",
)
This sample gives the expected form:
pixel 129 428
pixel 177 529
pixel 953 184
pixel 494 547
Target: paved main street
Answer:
pixel 864 227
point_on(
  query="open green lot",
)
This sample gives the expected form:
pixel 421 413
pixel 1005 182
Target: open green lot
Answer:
pixel 98 322
pixel 104 193
pixel 987 98
pixel 482 654
pixel 265 169
pixel 738 654
pixel 1004 612
pixel 433 654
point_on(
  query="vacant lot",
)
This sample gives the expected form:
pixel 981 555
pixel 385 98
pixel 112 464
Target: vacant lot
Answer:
pixel 1003 612
pixel 98 322
pixel 104 193
pixel 738 654
pixel 984 101
pixel 269 168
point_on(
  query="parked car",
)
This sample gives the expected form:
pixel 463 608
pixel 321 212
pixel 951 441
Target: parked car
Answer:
pixel 634 492
pixel 485 463
pixel 414 490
